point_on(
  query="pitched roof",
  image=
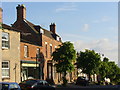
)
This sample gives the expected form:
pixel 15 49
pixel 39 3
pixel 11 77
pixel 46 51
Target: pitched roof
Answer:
pixel 46 32
pixel 4 26
pixel 30 34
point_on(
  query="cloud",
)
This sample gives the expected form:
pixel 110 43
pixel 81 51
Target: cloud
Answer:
pixel 74 37
pixel 103 46
pixel 67 7
pixel 85 27
pixel 102 19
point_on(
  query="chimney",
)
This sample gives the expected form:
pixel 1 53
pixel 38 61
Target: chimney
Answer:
pixel 53 28
pixel 1 15
pixel 21 12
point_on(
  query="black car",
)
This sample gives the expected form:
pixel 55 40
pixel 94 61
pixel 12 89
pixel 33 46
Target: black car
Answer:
pixel 33 84
pixel 82 81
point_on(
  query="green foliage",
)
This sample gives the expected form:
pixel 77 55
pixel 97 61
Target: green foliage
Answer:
pixel 114 72
pixel 89 61
pixel 109 70
pixel 65 57
pixel 104 68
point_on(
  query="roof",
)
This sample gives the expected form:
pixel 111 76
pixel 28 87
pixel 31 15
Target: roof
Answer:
pixel 46 32
pixel 30 34
pixel 4 26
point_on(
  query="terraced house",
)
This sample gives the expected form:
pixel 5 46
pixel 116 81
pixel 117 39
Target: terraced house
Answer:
pixel 9 53
pixel 36 47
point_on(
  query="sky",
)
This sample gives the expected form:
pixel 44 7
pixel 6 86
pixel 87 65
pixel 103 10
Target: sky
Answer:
pixel 88 25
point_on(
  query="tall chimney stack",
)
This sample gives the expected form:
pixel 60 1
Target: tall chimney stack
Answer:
pixel 21 12
pixel 53 28
pixel 1 15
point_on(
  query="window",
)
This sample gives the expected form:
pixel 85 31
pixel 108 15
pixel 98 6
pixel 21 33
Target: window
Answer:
pixel 58 38
pixel 5 40
pixel 38 50
pixel 41 31
pixel 54 72
pixel 50 49
pixel 26 53
pixel 13 86
pixel 5 69
pixel 46 49
pixel 50 71
pixel 38 54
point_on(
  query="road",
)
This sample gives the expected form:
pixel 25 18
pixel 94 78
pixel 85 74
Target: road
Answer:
pixel 95 87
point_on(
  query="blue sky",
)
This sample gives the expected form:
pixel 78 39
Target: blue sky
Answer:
pixel 92 25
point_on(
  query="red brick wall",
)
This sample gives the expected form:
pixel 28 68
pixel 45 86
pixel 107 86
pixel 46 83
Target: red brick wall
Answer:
pixel 49 41
pixel 32 51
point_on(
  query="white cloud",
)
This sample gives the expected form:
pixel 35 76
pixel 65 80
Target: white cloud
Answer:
pixel 67 7
pixel 103 46
pixel 102 19
pixel 85 27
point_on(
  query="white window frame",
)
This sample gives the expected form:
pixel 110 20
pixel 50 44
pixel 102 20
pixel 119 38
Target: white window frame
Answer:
pixel 26 51
pixel 6 69
pixel 6 40
pixel 58 39
pixel 42 31
pixel 38 50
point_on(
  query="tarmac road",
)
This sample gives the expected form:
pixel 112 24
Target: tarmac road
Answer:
pixel 93 87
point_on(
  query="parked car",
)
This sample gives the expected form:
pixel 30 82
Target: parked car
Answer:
pixel 82 81
pixel 33 84
pixel 9 86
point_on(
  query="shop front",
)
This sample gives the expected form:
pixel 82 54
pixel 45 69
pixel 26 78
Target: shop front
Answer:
pixel 30 69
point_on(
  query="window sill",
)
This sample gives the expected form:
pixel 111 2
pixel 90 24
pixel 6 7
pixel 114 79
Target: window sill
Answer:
pixel 5 77
pixel 5 48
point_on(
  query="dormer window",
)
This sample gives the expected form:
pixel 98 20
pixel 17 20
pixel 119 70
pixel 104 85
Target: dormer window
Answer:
pixel 57 38
pixel 42 31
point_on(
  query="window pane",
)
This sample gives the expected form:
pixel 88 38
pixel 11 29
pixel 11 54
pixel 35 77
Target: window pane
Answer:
pixel 5 69
pixel 26 53
pixel 5 43
pixel 46 50
pixel 5 72
pixel 5 65
pixel 4 36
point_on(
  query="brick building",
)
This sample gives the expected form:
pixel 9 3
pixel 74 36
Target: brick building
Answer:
pixel 9 53
pixel 36 47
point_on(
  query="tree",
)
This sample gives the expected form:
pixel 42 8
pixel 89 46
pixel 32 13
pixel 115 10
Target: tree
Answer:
pixel 114 72
pixel 64 56
pixel 89 61
pixel 104 68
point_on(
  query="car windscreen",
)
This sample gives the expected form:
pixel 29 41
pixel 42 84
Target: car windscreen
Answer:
pixel 4 86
